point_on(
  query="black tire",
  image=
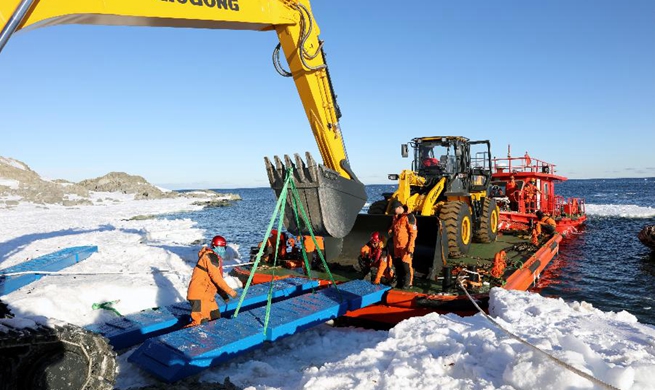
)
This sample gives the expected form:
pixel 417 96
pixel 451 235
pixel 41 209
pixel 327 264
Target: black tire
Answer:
pixel 61 357
pixel 488 230
pixel 378 207
pixel 456 218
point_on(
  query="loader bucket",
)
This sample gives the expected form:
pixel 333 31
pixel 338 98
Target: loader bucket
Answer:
pixel 431 242
pixel 330 201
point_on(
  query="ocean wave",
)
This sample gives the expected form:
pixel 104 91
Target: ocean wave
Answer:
pixel 616 210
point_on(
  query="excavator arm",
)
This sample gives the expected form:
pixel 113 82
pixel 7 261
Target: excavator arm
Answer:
pixel 331 194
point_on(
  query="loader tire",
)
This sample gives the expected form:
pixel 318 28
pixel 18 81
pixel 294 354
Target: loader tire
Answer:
pixel 456 218
pixel 59 357
pixel 378 207
pixel 488 230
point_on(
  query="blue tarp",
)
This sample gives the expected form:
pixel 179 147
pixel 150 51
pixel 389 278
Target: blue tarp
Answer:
pixel 52 262
pixel 185 352
pixel 124 332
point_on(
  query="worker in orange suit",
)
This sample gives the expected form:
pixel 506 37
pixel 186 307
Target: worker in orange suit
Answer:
pixel 530 195
pixel 403 231
pixel 207 281
pixel 511 192
pixel 371 254
pixel 312 254
pixel 383 262
pixel 545 224
pixel 269 247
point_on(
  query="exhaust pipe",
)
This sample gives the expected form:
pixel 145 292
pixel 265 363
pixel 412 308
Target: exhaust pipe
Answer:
pixel 331 202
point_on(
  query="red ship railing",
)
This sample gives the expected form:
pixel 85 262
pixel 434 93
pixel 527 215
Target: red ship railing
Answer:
pixel 524 164
pixel 569 207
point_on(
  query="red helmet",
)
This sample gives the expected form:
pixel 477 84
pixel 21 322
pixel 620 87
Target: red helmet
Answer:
pixel 375 237
pixel 218 241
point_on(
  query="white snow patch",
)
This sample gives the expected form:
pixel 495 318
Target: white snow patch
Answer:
pixel 11 183
pixel 13 163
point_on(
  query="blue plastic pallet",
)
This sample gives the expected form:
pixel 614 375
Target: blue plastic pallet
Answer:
pixel 179 354
pixel 52 262
pixel 133 329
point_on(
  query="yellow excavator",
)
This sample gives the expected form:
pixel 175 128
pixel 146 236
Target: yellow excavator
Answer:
pixel 331 193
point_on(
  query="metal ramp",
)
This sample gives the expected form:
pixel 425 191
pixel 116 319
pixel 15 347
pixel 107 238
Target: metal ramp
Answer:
pixel 127 331
pixel 52 262
pixel 189 351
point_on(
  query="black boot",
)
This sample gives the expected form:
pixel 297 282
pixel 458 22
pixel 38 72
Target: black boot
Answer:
pixel 406 284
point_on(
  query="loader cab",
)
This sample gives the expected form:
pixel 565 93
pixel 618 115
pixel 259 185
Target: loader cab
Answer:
pixel 434 158
pixel 465 163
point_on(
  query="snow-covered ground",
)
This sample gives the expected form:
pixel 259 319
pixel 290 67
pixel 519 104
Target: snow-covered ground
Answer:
pixel 143 263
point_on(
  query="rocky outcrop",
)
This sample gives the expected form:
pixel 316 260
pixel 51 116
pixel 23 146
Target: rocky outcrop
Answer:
pixel 127 184
pixel 18 181
pixel 647 236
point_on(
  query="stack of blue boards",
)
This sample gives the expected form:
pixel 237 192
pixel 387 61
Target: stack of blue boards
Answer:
pixel 52 262
pixel 127 331
pixel 188 351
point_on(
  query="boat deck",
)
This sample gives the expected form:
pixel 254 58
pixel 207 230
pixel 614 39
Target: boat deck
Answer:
pixel 481 256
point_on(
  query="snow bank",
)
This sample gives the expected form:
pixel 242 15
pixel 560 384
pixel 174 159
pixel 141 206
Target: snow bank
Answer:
pixel 147 262
pixel 452 352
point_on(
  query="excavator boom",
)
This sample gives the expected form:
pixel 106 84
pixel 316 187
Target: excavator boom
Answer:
pixel 331 193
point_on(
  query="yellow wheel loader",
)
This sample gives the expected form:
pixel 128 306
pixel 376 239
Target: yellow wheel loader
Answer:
pixel 447 189
pixel 449 183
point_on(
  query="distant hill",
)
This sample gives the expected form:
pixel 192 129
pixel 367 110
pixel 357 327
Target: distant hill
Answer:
pixel 20 183
pixel 126 184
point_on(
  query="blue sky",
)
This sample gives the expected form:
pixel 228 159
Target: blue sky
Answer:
pixel 570 81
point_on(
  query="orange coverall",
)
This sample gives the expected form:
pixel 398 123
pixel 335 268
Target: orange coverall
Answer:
pixel 530 196
pixel 512 194
pixel 269 247
pixel 308 243
pixel 379 258
pixel 404 233
pixel 207 281
pixel 546 224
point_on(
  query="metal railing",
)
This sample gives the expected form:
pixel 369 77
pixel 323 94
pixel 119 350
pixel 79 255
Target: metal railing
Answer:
pixel 522 164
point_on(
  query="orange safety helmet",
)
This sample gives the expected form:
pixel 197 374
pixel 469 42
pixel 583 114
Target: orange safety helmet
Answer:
pixel 218 241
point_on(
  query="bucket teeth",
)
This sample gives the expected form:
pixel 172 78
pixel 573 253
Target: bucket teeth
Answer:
pixel 301 169
pixel 330 201
pixel 312 167
pixel 303 173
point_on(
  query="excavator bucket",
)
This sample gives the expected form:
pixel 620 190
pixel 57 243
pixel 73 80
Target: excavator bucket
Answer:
pixel 330 201
pixel 431 246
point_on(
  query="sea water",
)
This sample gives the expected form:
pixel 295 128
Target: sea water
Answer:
pixel 604 264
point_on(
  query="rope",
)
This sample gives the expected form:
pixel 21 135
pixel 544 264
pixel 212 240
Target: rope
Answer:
pixel 301 240
pixel 296 197
pixel 278 205
pixel 289 187
pixel 517 338
pixel 269 298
